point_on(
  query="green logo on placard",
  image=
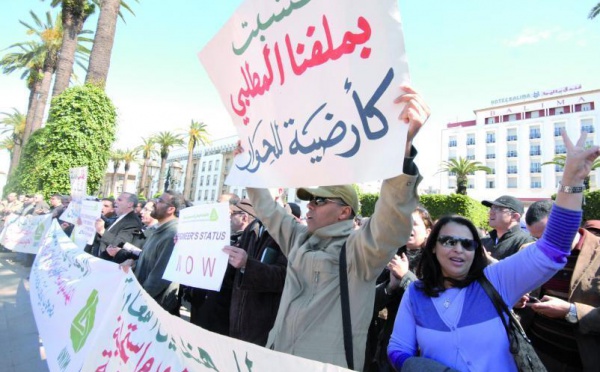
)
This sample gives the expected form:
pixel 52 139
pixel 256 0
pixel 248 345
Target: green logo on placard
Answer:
pixel 214 216
pixel 84 322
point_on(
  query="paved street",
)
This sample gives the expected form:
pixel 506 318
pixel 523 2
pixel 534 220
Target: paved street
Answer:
pixel 21 350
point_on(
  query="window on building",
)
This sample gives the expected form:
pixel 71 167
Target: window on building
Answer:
pixel 452 142
pixel 558 168
pixel 470 139
pixel 491 120
pixel 215 181
pixel 587 125
pixel 470 184
pixel 490 137
pixel 207 180
pixel 490 184
pixel 512 117
pixel 213 195
pixel 217 163
pixel 201 180
pixel 511 183
pixel 536 183
pixel 451 183
pixel 560 148
pixel 586 106
pixel 205 195
pixel 203 166
pixel 534 132
pixel 511 135
pixel 536 167
pixel 512 151
pixel 470 154
pixel 490 152
pixel 558 128
pixel 511 168
pixel 492 166
pixel 210 165
pixel 535 150
pixel 199 197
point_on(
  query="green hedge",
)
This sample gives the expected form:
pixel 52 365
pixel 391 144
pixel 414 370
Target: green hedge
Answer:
pixel 439 205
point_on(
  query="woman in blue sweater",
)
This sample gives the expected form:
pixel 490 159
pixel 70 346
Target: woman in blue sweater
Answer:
pixel 447 317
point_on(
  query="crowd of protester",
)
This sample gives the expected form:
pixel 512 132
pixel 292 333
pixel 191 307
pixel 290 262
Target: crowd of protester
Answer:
pixel 414 297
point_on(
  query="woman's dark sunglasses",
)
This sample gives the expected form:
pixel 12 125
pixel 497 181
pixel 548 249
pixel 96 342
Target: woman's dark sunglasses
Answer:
pixel 448 241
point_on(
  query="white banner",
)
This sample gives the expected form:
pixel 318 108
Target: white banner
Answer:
pixel 78 177
pixel 85 232
pixel 94 317
pixel 198 259
pixel 310 85
pixel 24 233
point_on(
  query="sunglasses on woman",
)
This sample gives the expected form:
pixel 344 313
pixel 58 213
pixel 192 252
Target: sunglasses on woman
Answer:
pixel 448 241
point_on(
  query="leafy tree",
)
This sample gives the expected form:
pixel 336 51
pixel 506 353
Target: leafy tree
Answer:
pixel 165 141
pixel 559 160
pixel 13 125
pixel 462 167
pixel 129 156
pixel 196 134
pixel 80 131
pixel 147 148
pixel 116 157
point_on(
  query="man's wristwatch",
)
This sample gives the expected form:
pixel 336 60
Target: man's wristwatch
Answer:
pixel 570 189
pixel 571 316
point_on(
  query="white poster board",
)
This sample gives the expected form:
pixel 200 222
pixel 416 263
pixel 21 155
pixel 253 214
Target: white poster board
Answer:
pixel 198 259
pixel 78 177
pixel 85 232
pixel 310 86
pixel 24 233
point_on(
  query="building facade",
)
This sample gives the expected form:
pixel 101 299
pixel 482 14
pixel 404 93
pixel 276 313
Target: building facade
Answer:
pixel 515 136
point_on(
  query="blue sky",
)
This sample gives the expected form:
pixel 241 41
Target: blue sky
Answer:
pixel 462 54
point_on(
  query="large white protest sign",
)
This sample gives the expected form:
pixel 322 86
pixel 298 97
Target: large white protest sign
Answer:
pixel 198 259
pixel 92 316
pixel 85 232
pixel 24 233
pixel 310 86
pixel 78 177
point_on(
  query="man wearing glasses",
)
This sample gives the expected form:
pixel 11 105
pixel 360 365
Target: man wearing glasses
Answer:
pixel 157 250
pixel 507 237
pixel 309 320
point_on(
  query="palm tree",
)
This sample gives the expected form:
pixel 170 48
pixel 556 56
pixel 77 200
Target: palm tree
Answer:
pixel 128 157
pixel 14 125
pixel 116 157
pixel 104 40
pixel 559 161
pixel 147 149
pixel 462 167
pixel 7 143
pixel 594 12
pixel 196 134
pixel 165 141
pixel 74 14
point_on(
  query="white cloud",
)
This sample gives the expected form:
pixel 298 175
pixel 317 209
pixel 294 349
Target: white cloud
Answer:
pixel 529 36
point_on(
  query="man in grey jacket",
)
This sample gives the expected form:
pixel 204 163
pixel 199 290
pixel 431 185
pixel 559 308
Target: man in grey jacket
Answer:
pixel 157 250
pixel 309 320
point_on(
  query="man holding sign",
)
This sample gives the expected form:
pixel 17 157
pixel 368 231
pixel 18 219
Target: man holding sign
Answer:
pixel 309 321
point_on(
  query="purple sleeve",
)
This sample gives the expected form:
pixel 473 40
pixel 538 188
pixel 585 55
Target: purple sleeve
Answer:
pixel 559 233
pixel 397 359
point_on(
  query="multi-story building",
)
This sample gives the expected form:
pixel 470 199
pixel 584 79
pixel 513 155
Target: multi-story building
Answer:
pixel 515 136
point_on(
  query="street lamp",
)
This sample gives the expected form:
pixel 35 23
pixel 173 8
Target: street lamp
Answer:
pixel 153 167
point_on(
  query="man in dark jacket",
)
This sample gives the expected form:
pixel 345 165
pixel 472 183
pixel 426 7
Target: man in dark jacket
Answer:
pixel 123 230
pixel 507 237
pixel 260 269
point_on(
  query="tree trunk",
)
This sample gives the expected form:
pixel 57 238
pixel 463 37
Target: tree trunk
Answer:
pixel 113 184
pixel 41 98
pixel 188 175
pixel 143 180
pixel 73 18
pixel 103 43
pixel 33 101
pixel 126 167
pixel 161 174
pixel 461 185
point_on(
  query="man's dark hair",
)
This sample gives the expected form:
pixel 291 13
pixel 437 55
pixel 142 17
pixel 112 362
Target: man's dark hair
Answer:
pixel 177 201
pixel 111 200
pixel 429 268
pixel 538 211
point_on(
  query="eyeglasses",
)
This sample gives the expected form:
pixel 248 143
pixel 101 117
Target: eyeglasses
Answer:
pixel 234 213
pixel 156 201
pixel 319 201
pixel 497 208
pixel 448 241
